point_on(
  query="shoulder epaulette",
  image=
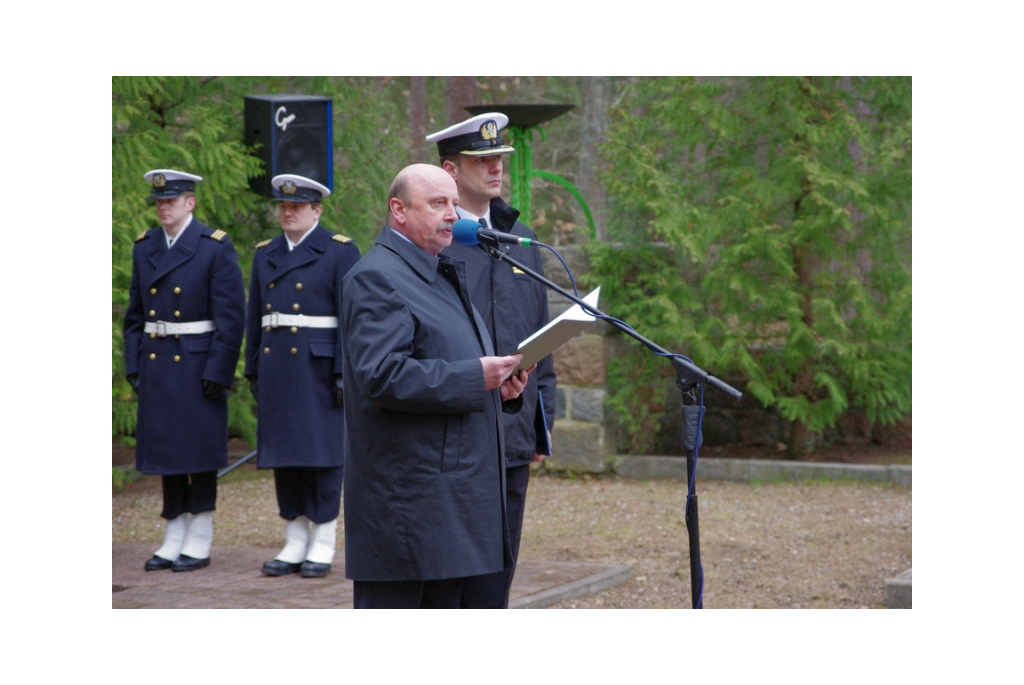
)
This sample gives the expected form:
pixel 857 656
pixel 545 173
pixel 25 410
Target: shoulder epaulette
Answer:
pixel 218 235
pixel 262 244
pixel 341 238
pixel 141 236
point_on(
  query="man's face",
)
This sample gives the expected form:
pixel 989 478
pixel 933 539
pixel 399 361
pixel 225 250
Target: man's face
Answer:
pixel 297 218
pixel 479 178
pixel 172 213
pixel 428 216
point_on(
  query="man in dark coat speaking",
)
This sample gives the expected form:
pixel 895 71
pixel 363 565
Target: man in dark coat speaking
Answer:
pixel 424 456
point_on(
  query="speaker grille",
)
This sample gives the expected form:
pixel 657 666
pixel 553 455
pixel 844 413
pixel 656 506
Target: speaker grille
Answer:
pixel 294 135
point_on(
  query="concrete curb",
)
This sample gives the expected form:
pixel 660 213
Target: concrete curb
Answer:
pixel 768 470
pixel 899 591
pixel 602 580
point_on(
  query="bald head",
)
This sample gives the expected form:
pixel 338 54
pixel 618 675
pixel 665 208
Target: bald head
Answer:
pixel 421 206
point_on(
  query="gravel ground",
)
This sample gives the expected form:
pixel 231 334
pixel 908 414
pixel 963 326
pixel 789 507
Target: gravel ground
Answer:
pixel 769 545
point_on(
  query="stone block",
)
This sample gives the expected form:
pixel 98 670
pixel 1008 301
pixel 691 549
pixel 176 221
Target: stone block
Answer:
pixel 581 361
pixel 653 467
pixel 588 405
pixel 561 401
pixel 578 447
pixel 899 591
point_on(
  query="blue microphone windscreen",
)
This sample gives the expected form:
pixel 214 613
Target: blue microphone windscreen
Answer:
pixel 464 232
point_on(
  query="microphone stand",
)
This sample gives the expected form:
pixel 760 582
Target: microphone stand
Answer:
pixel 688 376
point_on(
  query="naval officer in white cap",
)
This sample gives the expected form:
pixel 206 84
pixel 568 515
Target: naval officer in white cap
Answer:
pixel 182 337
pixel 513 306
pixel 293 359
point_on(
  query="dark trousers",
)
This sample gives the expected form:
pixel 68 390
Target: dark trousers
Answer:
pixel 189 493
pixel 491 591
pixel 311 492
pixel 408 594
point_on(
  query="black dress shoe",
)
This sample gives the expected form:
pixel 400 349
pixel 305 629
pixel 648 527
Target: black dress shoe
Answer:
pixel 158 564
pixel 187 563
pixel 276 567
pixel 311 569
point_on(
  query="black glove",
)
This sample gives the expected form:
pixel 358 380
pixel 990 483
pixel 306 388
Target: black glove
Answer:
pixel 339 392
pixel 253 389
pixel 133 380
pixel 213 391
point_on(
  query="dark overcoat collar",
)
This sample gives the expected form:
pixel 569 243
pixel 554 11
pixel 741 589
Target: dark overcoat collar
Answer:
pixel 185 247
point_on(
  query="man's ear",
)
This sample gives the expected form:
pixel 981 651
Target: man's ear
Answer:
pixel 397 210
pixel 452 168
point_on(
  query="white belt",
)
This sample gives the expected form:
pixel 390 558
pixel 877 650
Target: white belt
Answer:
pixel 165 328
pixel 275 319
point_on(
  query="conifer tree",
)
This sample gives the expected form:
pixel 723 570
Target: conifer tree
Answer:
pixel 784 205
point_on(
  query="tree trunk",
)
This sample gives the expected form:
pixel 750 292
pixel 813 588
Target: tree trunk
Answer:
pixel 418 120
pixel 459 92
pixel 801 440
pixel 596 94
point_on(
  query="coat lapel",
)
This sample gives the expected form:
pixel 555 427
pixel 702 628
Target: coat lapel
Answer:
pixel 282 260
pixel 185 248
pixel 461 278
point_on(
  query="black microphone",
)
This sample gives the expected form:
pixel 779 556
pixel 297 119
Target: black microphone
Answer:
pixel 469 232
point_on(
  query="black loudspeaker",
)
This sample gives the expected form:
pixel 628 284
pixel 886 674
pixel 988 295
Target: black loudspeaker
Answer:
pixel 294 136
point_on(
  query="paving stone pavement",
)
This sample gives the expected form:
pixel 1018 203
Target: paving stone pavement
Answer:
pixel 233 581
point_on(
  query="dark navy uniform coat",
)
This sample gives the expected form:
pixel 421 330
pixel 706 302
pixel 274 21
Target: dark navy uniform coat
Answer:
pixel 180 431
pixel 514 306
pixel 298 424
pixel 424 481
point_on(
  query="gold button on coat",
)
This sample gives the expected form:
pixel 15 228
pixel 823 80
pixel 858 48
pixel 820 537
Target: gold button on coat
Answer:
pixel 152 291
pixel 152 356
pixel 298 286
pixel 294 351
pixel 177 358
pixel 295 306
pixel 177 290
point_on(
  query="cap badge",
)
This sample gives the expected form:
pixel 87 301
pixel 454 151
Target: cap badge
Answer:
pixel 159 181
pixel 289 188
pixel 489 131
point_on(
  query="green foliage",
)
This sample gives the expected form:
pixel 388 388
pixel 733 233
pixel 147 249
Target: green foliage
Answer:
pixel 788 201
pixel 242 409
pixel 122 476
